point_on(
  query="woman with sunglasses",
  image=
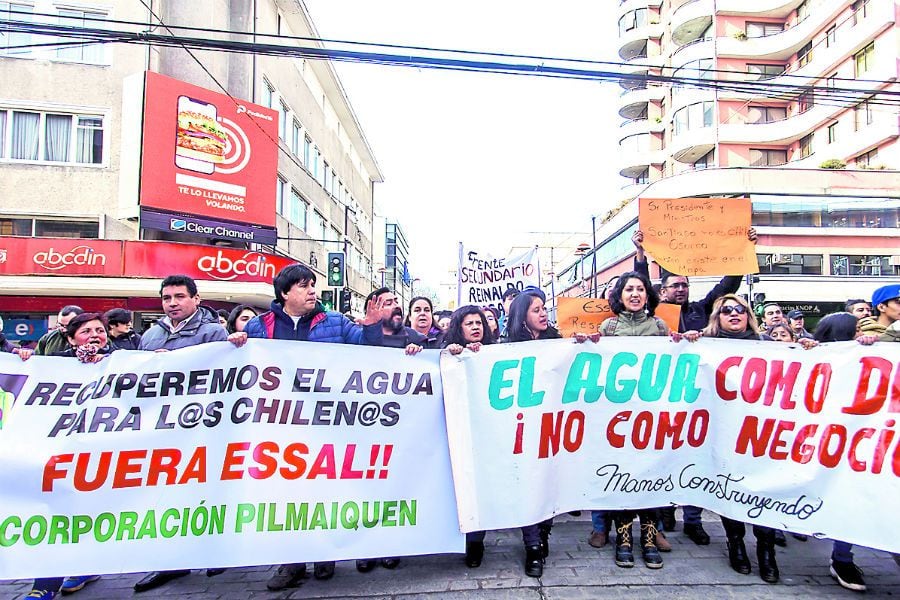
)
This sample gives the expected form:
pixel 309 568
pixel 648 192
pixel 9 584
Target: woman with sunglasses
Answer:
pixel 733 319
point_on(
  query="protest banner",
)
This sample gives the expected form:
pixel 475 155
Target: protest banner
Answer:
pixel 698 236
pixel 766 433
pixel 584 315
pixel 483 278
pixel 216 456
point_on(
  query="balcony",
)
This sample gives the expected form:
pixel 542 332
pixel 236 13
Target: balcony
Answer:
pixel 683 96
pixel 691 20
pixel 634 102
pixel 629 5
pixel 781 46
pixel 634 161
pixel 691 145
pixel 775 9
pixel 781 132
pixel 700 48
pixel 632 42
pixel 639 125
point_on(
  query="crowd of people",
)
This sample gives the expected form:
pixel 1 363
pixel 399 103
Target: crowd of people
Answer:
pixel 297 314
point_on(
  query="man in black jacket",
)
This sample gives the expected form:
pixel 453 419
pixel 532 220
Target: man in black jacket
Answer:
pixel 675 289
pixel 121 335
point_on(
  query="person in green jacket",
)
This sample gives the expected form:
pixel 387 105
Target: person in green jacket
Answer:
pixel 56 341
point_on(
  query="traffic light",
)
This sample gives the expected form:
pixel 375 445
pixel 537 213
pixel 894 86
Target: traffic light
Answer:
pixel 335 269
pixel 346 296
pixel 328 299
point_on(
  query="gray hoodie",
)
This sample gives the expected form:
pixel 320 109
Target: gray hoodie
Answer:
pixel 201 328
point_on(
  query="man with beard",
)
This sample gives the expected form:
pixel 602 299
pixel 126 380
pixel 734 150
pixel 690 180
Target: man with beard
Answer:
pixel 675 289
pixel 396 335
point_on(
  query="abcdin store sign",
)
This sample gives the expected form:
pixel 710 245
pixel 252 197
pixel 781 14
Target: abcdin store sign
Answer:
pixel 60 256
pixel 206 154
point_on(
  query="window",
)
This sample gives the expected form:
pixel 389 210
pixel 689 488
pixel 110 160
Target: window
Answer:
pixel 84 53
pixel 696 69
pixel 760 72
pixel 695 116
pixel 282 120
pixel 802 11
pixel 12 43
pixel 334 185
pixel 280 184
pixel 831 81
pixel 316 225
pixel 762 157
pixel 52 137
pixel 864 59
pixel 296 139
pixel 805 101
pixel 632 20
pixel 326 172
pixel 319 172
pixel 863 115
pixel 42 227
pixel 867 159
pixel 636 143
pixel 804 54
pixel 706 161
pixel 806 145
pixel 758 30
pixel 790 264
pixel 268 95
pixel 642 177
pixel 766 114
pixel 830 36
pixel 297 210
pixel 859 10
pixel 861 266
pixel 828 211
pixel 832 133
pixel 307 153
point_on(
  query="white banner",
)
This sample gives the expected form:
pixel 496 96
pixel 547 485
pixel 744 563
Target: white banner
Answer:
pixel 483 278
pixel 215 456
pixel 761 432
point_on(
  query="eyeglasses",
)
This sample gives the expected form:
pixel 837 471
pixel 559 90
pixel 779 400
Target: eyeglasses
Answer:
pixel 678 286
pixel 737 308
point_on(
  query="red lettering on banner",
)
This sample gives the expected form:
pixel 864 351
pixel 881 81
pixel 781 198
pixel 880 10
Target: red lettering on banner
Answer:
pixel 828 444
pixel 863 403
pixel 290 463
pixel 721 374
pixel 124 469
pixel 662 429
pixel 554 429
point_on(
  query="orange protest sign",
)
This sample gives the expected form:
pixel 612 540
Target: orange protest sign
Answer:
pixel 699 236
pixel 584 315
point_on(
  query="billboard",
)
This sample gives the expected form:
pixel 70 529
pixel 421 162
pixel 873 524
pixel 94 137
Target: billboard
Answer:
pixel 206 154
pixel 212 263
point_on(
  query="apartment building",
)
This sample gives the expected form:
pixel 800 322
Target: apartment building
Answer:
pixel 75 222
pixel 791 103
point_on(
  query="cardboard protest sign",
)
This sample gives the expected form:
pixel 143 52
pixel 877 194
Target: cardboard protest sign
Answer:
pixel 584 315
pixel 699 236
pixel 483 278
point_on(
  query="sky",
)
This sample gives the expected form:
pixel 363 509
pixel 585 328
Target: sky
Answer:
pixel 485 159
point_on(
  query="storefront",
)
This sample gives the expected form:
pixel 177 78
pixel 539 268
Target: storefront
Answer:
pixel 38 276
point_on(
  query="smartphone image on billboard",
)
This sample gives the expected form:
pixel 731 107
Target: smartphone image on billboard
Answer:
pixel 199 140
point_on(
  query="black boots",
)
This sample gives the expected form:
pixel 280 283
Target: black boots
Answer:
pixel 474 554
pixel 765 554
pixel 534 561
pixel 544 529
pixel 624 550
pixel 697 534
pixel 667 516
pixel 649 551
pixel 737 555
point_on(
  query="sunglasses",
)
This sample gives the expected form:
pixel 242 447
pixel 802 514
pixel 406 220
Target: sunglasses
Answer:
pixel 738 308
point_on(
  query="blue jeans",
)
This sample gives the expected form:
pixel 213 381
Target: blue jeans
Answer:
pixel 599 519
pixel 692 514
pixel 840 552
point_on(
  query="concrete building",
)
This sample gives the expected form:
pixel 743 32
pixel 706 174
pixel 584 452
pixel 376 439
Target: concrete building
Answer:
pixel 793 121
pixel 67 151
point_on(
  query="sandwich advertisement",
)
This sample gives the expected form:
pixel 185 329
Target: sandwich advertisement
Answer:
pixel 207 154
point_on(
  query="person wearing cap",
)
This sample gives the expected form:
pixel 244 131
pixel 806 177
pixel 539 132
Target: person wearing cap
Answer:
pixel 886 313
pixel 796 322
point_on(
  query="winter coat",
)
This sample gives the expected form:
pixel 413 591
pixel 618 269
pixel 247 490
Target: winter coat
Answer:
pixel 403 339
pixel 695 315
pixel 629 323
pixel 321 326
pixel 201 328
pixel 129 341
pixel 51 343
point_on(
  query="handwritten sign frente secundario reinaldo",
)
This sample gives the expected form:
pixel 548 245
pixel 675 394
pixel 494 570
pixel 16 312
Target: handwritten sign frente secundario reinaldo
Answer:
pixel 699 236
